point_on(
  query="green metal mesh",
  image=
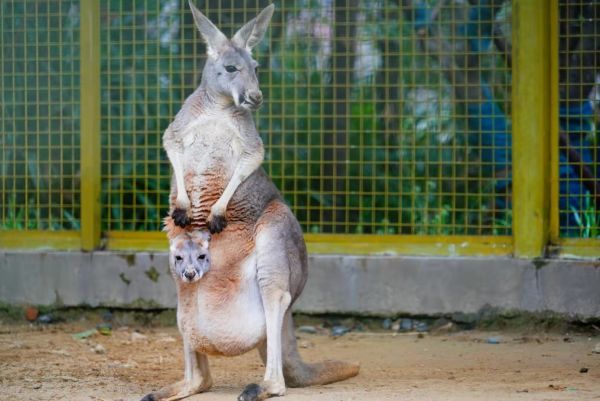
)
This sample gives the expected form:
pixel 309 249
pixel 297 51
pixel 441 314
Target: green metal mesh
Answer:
pixel 149 65
pixel 39 118
pixel 579 151
pixel 376 115
pixel 379 118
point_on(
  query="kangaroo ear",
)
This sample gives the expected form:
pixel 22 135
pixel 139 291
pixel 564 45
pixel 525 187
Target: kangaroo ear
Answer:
pixel 250 34
pixel 214 38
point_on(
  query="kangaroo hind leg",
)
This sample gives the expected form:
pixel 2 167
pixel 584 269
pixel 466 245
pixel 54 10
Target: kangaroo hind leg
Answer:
pixel 197 379
pixel 273 277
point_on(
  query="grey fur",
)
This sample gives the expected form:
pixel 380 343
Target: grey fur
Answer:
pixel 229 90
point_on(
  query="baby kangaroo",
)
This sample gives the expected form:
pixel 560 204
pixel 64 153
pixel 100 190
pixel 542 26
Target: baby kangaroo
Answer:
pixel 189 257
pixel 229 87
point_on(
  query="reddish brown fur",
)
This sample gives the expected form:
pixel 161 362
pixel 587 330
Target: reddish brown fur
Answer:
pixel 275 210
pixel 229 247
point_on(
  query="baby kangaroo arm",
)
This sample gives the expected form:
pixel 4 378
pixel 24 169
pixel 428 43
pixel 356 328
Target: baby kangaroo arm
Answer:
pixel 250 159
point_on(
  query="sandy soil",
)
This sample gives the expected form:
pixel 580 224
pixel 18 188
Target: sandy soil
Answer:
pixel 47 363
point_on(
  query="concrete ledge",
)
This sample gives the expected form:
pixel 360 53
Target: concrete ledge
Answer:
pixel 337 284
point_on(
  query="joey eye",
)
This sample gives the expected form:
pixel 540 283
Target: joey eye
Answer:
pixel 178 258
pixel 201 257
pixel 231 68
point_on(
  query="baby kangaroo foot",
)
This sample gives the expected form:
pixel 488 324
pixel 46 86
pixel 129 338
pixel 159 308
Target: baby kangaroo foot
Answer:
pixel 180 217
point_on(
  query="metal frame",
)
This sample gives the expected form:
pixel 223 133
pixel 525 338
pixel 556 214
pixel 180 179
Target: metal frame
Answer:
pixel 531 147
pixel 351 244
pixel 90 124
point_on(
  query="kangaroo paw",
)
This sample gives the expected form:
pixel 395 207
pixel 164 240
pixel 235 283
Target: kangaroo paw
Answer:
pixel 149 397
pixel 253 392
pixel 216 223
pixel 180 218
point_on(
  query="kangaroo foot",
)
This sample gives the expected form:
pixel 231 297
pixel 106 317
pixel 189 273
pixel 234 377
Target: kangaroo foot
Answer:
pixel 177 391
pixel 180 217
pixel 216 223
pixel 255 392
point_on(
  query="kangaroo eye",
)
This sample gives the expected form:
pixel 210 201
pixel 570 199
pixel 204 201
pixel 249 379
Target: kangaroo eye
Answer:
pixel 201 257
pixel 178 258
pixel 231 68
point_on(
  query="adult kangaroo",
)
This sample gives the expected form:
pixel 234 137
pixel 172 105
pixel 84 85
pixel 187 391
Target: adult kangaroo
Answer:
pixel 258 262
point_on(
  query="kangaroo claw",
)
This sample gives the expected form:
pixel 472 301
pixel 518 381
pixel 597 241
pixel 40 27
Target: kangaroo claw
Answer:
pixel 180 218
pixel 253 392
pixel 216 223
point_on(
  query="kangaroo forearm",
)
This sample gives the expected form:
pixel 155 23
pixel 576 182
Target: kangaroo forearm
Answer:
pixel 181 201
pixel 242 171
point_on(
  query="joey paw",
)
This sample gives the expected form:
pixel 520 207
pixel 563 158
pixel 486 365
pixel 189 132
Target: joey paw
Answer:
pixel 216 223
pixel 180 218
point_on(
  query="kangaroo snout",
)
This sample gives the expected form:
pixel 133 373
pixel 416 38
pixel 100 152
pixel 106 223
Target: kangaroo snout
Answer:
pixel 190 274
pixel 252 99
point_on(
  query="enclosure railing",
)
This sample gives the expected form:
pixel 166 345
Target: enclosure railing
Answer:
pixel 411 127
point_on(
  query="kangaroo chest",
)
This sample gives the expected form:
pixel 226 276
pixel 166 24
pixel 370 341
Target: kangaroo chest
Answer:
pixel 212 139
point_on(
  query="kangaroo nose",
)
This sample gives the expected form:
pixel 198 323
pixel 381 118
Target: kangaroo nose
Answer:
pixel 190 275
pixel 256 97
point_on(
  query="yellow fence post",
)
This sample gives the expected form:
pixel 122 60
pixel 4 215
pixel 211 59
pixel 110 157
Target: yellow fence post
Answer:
pixel 90 123
pixel 531 127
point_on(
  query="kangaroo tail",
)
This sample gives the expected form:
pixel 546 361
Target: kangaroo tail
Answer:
pixel 300 374
pixel 297 373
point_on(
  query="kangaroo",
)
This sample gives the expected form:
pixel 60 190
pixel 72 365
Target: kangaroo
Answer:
pixel 229 81
pixel 258 261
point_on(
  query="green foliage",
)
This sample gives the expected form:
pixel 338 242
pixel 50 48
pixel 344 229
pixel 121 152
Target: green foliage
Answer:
pixel 147 70
pixel 588 218
pixel 39 116
pixel 409 167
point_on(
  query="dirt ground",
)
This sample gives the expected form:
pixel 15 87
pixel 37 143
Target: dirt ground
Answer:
pixel 47 363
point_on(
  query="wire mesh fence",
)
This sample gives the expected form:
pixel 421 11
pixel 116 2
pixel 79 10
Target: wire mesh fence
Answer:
pixel 148 66
pixel 39 120
pixel 380 118
pixel 386 117
pixel 579 151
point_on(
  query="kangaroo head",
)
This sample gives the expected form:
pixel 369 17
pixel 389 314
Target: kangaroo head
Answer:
pixel 230 70
pixel 189 258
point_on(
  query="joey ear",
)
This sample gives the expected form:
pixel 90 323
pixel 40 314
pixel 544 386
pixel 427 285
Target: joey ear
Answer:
pixel 248 36
pixel 177 239
pixel 201 236
pixel 214 38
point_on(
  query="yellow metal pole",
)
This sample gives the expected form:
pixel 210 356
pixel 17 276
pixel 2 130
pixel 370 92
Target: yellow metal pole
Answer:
pixel 531 127
pixel 90 123
pixel 554 122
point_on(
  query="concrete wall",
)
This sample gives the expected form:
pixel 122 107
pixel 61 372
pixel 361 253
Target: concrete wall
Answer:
pixel 343 284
